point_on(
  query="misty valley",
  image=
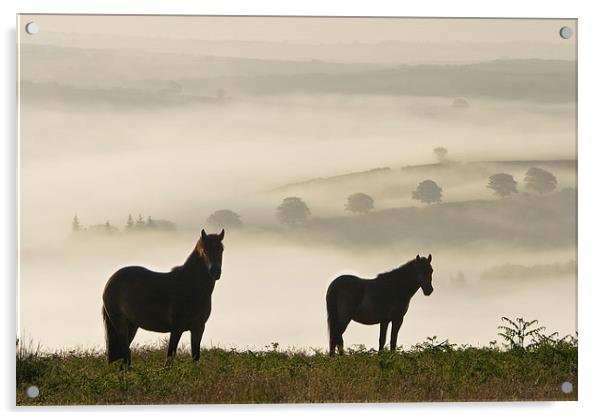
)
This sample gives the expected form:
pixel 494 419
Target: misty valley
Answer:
pixel 145 154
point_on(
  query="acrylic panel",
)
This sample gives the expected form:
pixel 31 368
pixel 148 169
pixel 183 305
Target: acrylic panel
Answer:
pixel 296 209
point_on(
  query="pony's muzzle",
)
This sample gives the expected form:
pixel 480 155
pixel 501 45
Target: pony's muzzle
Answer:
pixel 215 272
pixel 427 292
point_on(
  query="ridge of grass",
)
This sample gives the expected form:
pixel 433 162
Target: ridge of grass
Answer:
pixel 429 371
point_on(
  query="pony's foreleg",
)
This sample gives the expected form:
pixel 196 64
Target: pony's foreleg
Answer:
pixel 382 339
pixel 174 339
pixel 195 341
pixel 333 344
pixel 395 325
pixel 340 345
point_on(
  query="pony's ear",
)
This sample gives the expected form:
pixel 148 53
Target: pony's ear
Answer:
pixel 430 258
pixel 417 257
pixel 221 235
pixel 203 234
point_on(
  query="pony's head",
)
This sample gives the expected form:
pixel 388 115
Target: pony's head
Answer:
pixel 424 272
pixel 210 249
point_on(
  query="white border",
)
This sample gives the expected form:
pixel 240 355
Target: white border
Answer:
pixel 590 33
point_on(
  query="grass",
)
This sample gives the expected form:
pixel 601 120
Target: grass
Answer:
pixel 429 371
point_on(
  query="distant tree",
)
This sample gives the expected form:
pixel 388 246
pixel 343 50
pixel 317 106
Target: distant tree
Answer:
pixel 359 203
pixel 440 154
pixel 225 219
pixel 293 211
pixel 150 223
pixel 220 94
pixel 502 184
pixel 540 180
pixel 460 103
pixel 140 222
pixel 109 228
pixel 165 225
pixel 75 226
pixel 129 225
pixel 174 87
pixel 428 192
pixel 459 279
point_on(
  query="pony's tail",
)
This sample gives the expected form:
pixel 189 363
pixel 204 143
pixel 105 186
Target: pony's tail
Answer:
pixel 331 309
pixel 111 338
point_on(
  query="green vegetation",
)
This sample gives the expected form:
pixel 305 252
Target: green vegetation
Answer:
pixel 528 365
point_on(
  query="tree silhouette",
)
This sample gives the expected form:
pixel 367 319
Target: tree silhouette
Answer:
pixel 225 219
pixel 109 228
pixel 140 222
pixel 359 203
pixel 164 225
pixel 293 211
pixel 129 225
pixel 460 103
pixel 75 226
pixel 173 87
pixel 440 154
pixel 540 180
pixel 428 192
pixel 150 223
pixel 502 184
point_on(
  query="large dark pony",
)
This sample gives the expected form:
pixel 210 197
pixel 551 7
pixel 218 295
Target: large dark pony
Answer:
pixel 172 302
pixel 382 300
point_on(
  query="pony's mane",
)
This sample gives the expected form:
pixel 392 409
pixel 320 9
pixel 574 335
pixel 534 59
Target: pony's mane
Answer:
pixel 396 272
pixel 193 256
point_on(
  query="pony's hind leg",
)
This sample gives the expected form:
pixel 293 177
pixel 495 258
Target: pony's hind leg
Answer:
pixel 132 329
pixel 338 338
pixel 339 306
pixel 336 342
pixel 117 337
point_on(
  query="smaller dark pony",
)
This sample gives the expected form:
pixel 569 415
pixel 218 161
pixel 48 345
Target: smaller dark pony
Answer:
pixel 174 302
pixel 382 300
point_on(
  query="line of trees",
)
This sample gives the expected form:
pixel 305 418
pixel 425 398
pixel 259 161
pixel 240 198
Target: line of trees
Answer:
pixel 536 179
pixel 503 185
pixel 293 211
pixel 106 227
pixel 149 224
pixel 130 226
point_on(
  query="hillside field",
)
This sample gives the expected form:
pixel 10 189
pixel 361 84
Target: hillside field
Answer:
pixel 430 371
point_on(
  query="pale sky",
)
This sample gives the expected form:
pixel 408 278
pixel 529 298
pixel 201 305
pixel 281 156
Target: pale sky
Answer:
pixel 310 30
